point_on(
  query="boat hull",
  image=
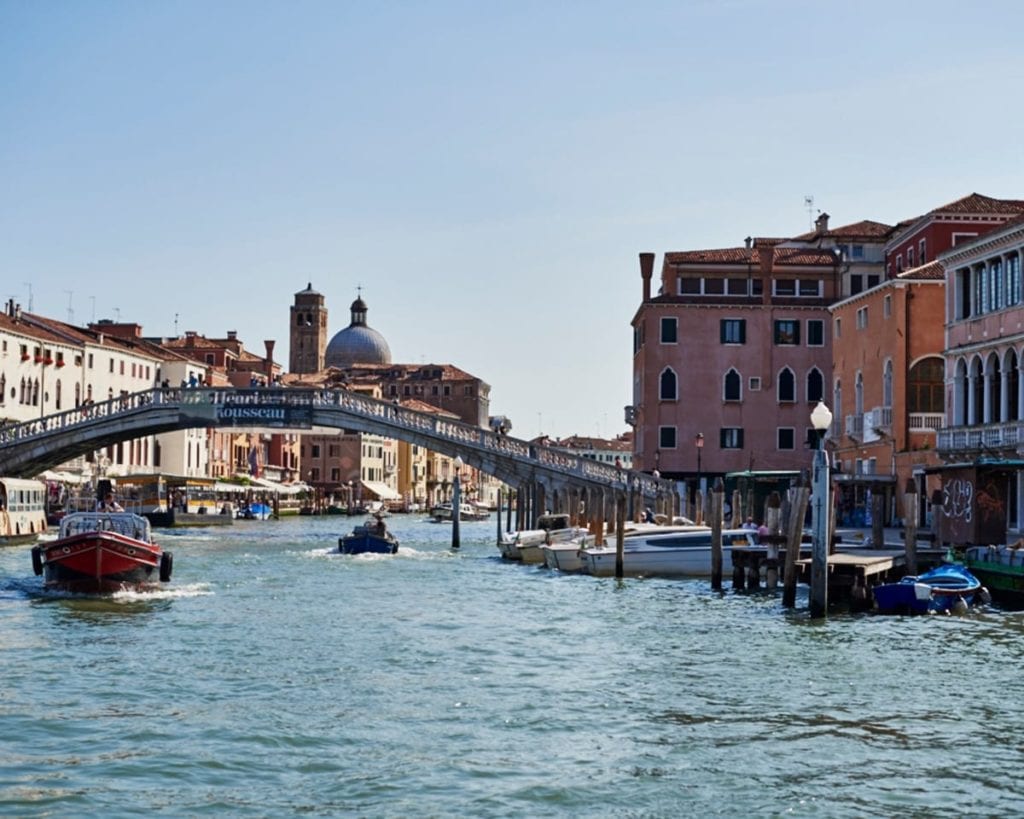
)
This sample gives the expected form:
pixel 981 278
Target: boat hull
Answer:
pixel 363 543
pixel 944 589
pixel 565 557
pixel 1001 569
pixel 100 562
pixel 675 554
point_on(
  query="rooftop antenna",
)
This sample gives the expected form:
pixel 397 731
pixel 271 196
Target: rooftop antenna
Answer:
pixel 809 204
pixel 93 300
pixel 71 312
pixel 175 325
pixel 29 286
pixel 117 314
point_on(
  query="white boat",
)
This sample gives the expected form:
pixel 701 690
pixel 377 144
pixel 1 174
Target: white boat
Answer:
pixel 467 511
pixel 22 511
pixel 527 545
pixel 671 554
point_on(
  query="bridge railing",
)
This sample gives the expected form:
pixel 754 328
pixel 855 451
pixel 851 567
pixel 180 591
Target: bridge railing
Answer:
pixel 366 406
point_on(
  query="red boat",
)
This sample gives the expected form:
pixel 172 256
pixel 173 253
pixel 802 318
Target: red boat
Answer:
pixel 102 552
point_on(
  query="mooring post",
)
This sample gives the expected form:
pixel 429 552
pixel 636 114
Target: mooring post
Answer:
pixel 819 554
pixel 910 513
pixel 937 517
pixel 620 534
pixel 794 532
pixel 456 501
pixel 773 520
pixel 717 494
pixel 498 516
pixel 877 521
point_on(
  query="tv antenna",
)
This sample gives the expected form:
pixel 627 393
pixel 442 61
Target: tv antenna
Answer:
pixel 71 312
pixel 117 314
pixel 175 325
pixel 29 286
pixel 809 204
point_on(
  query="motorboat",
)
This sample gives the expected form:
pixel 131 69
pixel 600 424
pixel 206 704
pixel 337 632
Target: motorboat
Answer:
pixel 467 511
pixel 527 545
pixel 685 552
pixel 102 552
pixel 949 588
pixel 372 536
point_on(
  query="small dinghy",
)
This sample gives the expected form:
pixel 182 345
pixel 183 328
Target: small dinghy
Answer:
pixel 949 588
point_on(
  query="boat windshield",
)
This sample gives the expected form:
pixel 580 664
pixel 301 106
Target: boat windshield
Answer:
pixel 122 523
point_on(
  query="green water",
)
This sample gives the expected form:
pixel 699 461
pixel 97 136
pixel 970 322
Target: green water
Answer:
pixel 273 678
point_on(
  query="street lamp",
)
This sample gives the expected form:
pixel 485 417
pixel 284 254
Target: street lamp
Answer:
pixel 456 502
pixel 821 419
pixel 698 441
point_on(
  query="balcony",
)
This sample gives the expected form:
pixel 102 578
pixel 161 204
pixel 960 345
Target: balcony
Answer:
pixel 877 424
pixel 926 421
pixel 1002 439
pixel 855 426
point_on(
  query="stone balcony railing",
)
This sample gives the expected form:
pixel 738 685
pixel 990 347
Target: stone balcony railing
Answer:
pixel 1001 439
pixel 927 421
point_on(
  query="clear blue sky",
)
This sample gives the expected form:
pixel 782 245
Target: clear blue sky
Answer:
pixel 488 172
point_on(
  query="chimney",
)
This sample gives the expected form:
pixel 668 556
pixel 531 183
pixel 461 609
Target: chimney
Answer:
pixel 766 259
pixel 646 271
pixel 232 335
pixel 821 223
pixel 749 241
pixel 268 365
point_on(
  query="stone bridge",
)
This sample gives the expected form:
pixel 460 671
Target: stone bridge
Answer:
pixel 29 448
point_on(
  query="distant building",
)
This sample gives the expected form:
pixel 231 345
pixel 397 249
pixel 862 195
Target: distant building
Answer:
pixel 612 451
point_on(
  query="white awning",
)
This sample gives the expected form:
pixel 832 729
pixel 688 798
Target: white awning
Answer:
pixel 382 490
pixel 282 488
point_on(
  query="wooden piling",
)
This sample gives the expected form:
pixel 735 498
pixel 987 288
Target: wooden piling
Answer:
pixel 498 516
pixel 937 517
pixel 456 502
pixel 910 513
pixel 717 495
pixel 773 520
pixel 877 521
pixel 794 535
pixel 620 534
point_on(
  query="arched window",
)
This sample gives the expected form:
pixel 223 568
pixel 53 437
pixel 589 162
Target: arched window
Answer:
pixel 3 388
pixel 887 384
pixel 667 385
pixel 78 393
pixel 57 396
pixel 858 393
pixel 924 386
pixel 733 386
pixel 815 386
pixel 837 399
pixel 787 385
pixel 35 393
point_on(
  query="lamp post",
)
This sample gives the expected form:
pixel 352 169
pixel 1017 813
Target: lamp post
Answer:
pixel 657 489
pixel 821 419
pixel 456 502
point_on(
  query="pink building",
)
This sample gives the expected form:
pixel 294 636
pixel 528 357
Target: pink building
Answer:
pixel 730 357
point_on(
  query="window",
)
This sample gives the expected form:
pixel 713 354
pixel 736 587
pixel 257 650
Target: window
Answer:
pixel 924 386
pixel 667 385
pixel 784 287
pixel 667 437
pixel 815 386
pixel 315 451
pixel 787 332
pixel 785 438
pixel 873 280
pixel 754 385
pixel 857 252
pixel 435 390
pixel 838 327
pixel 733 384
pixel 730 438
pixel 210 358
pixel 910 257
pixel 787 386
pixel 714 287
pixel 922 256
pixel 447 389
pixel 111 365
pixel 669 330
pixel 689 286
pixel 810 288
pixel 737 287
pixel 899 263
pixel 887 306
pixel 856 283
pixel 862 318
pixel 960 238
pixel 815 333
pixel 732 331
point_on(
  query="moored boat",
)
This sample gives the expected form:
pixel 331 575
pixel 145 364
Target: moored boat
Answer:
pixel 1001 569
pixel 467 511
pixel 949 588
pixel 371 537
pixel 22 511
pixel 681 553
pixel 102 552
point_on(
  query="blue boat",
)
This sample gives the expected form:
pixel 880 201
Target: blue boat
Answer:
pixel 949 588
pixel 369 537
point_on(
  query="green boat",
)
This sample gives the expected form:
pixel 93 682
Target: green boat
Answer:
pixel 1001 569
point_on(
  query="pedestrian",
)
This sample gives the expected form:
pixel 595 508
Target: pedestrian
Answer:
pixel 108 504
pixel 749 524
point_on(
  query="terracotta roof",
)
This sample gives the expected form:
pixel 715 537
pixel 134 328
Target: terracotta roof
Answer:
pixel 578 442
pixel 743 255
pixel 931 270
pixel 978 203
pixel 865 229
pixel 30 330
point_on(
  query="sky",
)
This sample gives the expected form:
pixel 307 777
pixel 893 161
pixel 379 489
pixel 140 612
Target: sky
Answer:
pixel 486 173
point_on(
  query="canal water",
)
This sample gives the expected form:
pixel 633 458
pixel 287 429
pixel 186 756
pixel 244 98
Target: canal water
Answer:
pixel 274 678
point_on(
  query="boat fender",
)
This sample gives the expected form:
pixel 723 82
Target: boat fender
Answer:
pixel 984 596
pixel 166 566
pixel 37 560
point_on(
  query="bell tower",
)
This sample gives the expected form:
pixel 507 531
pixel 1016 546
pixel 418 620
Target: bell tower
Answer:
pixel 307 332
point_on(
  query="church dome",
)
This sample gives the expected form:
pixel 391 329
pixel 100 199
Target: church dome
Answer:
pixel 357 343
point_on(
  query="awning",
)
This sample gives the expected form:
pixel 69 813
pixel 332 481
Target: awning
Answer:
pixel 382 490
pixel 282 488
